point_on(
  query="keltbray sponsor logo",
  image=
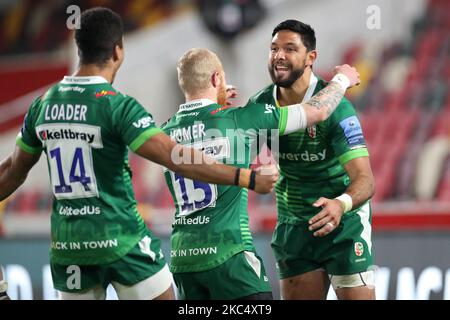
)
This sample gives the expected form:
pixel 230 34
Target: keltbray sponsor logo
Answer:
pixel 190 221
pixel 359 249
pixel 86 210
pixel 73 134
pixel 67 134
pixel 304 156
pixel 193 252
pixel 218 148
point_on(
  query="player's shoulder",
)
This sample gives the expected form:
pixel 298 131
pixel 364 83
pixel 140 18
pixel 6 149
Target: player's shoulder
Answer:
pixel 264 95
pixel 344 110
pixel 37 101
pixel 262 105
pixel 116 99
pixel 252 109
pixel 178 120
pixel 35 107
pixel 169 123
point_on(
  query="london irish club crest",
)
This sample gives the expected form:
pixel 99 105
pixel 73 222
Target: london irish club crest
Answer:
pixel 312 131
pixel 359 249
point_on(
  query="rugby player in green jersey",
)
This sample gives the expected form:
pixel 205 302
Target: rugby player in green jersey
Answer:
pixel 85 128
pixel 213 256
pixel 323 231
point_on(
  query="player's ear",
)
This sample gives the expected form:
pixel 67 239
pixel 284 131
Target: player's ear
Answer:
pixel 118 53
pixel 311 57
pixel 215 79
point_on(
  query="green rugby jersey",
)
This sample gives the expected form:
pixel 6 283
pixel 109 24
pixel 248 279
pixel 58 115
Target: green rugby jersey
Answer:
pixel 211 221
pixel 84 126
pixel 311 161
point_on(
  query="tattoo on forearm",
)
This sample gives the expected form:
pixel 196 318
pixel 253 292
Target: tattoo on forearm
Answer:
pixel 329 97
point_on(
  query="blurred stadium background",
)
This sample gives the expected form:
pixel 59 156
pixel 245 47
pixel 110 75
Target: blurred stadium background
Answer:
pixel 403 102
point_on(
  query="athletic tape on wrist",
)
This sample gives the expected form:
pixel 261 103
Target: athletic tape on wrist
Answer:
pixel 342 80
pixel 347 201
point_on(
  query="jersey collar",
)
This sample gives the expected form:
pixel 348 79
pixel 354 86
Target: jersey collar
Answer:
pixel 309 93
pixel 84 80
pixel 195 104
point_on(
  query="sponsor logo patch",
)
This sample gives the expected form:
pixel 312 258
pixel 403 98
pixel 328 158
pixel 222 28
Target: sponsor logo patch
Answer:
pixel 219 109
pixel 43 135
pixel 86 210
pixel 105 93
pixel 269 108
pixel 353 132
pixel 143 122
pixel 74 89
pixel 60 132
pixel 305 156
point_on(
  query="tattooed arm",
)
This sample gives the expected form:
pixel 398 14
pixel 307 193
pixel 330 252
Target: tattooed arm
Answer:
pixel 321 105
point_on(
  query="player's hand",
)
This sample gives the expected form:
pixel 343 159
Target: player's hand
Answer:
pixel 266 177
pixel 350 72
pixel 231 94
pixel 328 218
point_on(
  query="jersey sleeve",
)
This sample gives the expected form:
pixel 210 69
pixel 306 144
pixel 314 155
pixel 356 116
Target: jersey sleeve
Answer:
pixel 259 116
pixel 27 139
pixel 347 138
pixel 133 123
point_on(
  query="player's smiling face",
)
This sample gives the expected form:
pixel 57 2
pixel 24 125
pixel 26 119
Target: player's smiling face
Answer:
pixel 287 58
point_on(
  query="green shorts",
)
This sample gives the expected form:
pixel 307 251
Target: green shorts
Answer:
pixel 344 251
pixel 241 275
pixel 132 268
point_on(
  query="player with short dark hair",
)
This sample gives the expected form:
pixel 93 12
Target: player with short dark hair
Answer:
pixel 306 32
pixel 96 47
pixel 323 231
